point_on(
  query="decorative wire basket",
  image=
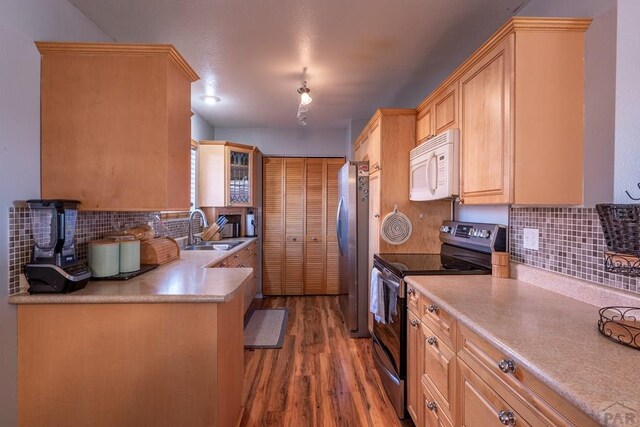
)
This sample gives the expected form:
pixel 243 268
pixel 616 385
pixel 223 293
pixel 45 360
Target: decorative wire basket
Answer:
pixel 621 228
pixel 621 324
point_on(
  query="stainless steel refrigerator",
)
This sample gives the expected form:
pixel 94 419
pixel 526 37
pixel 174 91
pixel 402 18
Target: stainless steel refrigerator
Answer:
pixel 353 236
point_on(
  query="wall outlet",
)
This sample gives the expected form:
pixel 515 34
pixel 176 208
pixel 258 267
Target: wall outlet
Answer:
pixel 531 239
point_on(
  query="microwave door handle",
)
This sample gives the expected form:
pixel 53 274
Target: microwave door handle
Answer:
pixel 432 188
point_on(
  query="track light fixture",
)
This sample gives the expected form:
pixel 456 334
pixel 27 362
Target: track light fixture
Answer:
pixel 303 107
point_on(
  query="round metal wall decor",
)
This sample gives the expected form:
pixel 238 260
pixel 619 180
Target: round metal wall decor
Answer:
pixel 396 228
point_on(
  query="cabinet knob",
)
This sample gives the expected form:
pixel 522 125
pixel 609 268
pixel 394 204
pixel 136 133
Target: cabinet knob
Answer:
pixel 432 308
pixel 507 418
pixel 431 405
pixel 414 322
pixel 375 215
pixel 432 340
pixel 314 238
pixel 507 366
pixel 294 239
pixel 235 257
pixel 411 291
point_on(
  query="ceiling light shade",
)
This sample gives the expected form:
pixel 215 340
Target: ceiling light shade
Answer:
pixel 210 99
pixel 305 98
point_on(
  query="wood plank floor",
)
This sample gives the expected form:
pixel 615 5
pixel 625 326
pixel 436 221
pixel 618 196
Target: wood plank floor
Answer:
pixel 320 377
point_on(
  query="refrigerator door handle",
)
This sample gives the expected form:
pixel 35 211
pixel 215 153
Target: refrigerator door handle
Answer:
pixel 339 226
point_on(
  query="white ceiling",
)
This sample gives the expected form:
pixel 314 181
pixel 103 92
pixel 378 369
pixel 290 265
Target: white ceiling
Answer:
pixel 359 54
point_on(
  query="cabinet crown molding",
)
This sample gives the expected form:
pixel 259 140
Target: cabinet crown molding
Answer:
pixel 120 49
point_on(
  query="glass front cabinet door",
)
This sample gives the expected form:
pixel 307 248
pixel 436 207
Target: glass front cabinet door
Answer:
pixel 239 179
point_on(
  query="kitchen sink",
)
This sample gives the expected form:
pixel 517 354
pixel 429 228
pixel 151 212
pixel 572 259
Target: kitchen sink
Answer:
pixel 212 246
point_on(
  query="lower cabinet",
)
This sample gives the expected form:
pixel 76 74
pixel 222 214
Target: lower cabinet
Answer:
pixel 456 378
pixel 246 257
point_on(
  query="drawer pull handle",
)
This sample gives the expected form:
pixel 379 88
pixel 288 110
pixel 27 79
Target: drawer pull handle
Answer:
pixel 432 308
pixel 414 322
pixel 431 405
pixel 507 418
pixel 411 291
pixel 294 239
pixel 507 366
pixel 432 340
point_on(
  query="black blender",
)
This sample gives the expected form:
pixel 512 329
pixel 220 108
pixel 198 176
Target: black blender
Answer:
pixel 54 265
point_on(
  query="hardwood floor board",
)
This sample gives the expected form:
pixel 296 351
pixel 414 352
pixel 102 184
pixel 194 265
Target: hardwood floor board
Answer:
pixel 320 377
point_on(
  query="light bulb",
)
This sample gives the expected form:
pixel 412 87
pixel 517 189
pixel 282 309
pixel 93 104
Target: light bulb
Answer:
pixel 210 99
pixel 305 99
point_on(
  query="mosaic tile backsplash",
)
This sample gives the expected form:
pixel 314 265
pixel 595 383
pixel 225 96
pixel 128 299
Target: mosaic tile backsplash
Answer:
pixel 571 243
pixel 89 226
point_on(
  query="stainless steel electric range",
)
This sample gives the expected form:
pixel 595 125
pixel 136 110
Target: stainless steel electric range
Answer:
pixel 466 249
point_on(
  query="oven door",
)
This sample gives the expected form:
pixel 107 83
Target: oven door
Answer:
pixel 389 341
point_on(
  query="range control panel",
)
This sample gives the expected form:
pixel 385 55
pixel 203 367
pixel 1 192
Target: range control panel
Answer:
pixel 473 235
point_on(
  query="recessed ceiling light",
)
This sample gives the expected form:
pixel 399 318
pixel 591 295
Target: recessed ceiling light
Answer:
pixel 210 99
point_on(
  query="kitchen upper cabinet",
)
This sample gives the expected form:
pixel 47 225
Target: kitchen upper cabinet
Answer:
pixel 300 249
pixel 438 113
pixel 522 105
pixel 115 125
pixel 373 148
pixel 226 174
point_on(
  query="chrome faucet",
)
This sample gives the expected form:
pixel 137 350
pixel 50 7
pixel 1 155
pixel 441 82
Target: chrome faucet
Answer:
pixel 191 215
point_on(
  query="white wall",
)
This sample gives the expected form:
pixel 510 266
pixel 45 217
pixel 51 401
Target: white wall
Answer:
pixel 289 142
pixel 627 123
pixel 21 23
pixel 200 128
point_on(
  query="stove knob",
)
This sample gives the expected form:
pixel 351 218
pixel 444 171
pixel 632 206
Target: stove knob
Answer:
pixel 485 234
pixel 445 229
pixel 471 230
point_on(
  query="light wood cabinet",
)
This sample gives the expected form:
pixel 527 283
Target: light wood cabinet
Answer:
pixel 414 369
pixel 518 101
pixel 246 257
pixel 522 116
pixel 169 364
pixel 373 147
pixel 300 244
pixel 438 113
pixel 226 174
pixel 115 125
pixel 466 381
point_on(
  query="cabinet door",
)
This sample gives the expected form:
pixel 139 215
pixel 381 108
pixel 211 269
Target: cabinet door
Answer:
pixel 374 225
pixel 314 257
pixel 479 404
pixel 424 123
pixel 239 176
pixel 438 369
pixel 445 109
pixel 332 256
pixel 486 144
pixel 273 226
pixel 374 148
pixel 414 368
pixel 294 196
pixel 432 413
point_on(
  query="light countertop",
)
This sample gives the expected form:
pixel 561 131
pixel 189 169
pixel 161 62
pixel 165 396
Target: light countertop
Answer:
pixel 555 337
pixel 187 279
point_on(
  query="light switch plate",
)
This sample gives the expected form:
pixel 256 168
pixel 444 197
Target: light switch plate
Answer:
pixel 531 239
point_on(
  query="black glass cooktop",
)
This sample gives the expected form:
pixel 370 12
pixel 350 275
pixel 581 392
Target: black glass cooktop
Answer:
pixel 427 264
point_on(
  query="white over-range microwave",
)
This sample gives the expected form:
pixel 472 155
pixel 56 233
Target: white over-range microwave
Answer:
pixel 434 167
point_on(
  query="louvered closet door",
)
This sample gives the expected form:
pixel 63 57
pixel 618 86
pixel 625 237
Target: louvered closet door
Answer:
pixel 332 254
pixel 273 237
pixel 314 257
pixel 294 226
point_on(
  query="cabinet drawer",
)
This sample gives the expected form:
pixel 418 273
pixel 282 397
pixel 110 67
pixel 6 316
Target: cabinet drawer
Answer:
pixel 234 260
pixel 480 405
pixel 438 370
pixel 516 385
pixel 413 300
pixel 433 414
pixel 441 322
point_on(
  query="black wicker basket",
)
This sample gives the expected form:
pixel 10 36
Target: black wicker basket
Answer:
pixel 621 324
pixel 621 227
